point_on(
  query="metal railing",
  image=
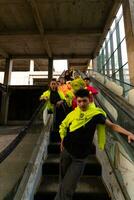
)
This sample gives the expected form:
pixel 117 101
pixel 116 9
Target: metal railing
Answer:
pixel 118 150
pixel 126 86
pixel 8 150
pixel 15 157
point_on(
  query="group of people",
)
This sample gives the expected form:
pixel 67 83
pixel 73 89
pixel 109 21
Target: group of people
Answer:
pixel 77 117
pixel 60 97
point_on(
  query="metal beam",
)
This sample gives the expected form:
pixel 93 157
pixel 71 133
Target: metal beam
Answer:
pixel 108 23
pixel 40 26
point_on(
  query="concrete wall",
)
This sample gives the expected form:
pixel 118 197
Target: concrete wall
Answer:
pixel 23 101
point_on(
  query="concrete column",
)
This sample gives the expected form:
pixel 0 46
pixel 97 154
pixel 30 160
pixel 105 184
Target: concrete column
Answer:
pixel 5 95
pixel 4 108
pixel 50 69
pixel 31 65
pixel 128 12
pixel 8 71
pixel 31 71
pixel 94 64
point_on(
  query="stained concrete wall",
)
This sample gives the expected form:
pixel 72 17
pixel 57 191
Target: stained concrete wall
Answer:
pixel 23 101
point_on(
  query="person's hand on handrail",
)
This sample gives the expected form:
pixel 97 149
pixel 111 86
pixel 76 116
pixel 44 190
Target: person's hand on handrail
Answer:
pixel 43 98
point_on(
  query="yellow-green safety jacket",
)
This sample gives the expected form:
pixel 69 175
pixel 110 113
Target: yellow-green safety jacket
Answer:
pixel 48 104
pixel 73 121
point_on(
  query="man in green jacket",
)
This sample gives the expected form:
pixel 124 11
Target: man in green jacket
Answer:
pixel 77 132
pixel 55 103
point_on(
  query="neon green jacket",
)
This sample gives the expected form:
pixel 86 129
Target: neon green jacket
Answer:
pixel 78 118
pixel 69 97
pixel 48 104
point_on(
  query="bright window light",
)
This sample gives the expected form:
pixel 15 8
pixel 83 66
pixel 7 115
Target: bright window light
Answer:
pixel 60 65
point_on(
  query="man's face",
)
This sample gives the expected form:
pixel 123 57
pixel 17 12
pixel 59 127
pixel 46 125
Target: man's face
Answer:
pixel 83 103
pixel 53 85
pixel 87 82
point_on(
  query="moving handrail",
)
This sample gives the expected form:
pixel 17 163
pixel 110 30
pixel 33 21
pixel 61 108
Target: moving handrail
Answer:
pixel 114 79
pixel 117 147
pixel 117 101
pixel 128 147
pixel 22 133
pixel 125 85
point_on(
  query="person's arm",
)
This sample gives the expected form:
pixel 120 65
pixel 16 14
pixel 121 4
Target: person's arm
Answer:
pixel 45 96
pixel 119 129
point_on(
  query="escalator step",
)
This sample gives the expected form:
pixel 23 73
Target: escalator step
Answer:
pixel 51 166
pixel 88 188
pixel 54 148
pixel 55 137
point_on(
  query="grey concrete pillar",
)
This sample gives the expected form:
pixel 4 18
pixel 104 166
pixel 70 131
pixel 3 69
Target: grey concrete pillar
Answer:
pixel 94 64
pixel 5 95
pixel 8 70
pixel 50 69
pixel 128 13
pixel 4 108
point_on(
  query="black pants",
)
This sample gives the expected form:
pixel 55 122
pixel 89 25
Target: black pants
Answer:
pixel 70 171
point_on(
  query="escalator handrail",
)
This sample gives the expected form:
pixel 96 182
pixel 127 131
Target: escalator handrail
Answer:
pixel 21 134
pixel 122 139
pixel 110 77
pixel 118 101
pixel 129 147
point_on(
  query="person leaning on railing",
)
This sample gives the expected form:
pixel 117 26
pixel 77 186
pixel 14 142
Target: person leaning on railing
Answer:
pixel 77 133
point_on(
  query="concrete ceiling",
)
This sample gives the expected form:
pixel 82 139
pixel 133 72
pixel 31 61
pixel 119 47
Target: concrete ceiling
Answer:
pixel 80 64
pixel 24 65
pixel 69 29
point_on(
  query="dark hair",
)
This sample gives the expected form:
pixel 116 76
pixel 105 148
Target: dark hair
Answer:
pixel 87 78
pixel 53 79
pixel 82 93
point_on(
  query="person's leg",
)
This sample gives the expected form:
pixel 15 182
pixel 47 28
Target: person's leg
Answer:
pixel 55 120
pixel 65 161
pixel 70 180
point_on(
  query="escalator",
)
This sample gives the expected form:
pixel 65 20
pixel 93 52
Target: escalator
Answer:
pixel 117 151
pixel 90 185
pixel 38 177
pixel 118 170
pixel 18 146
